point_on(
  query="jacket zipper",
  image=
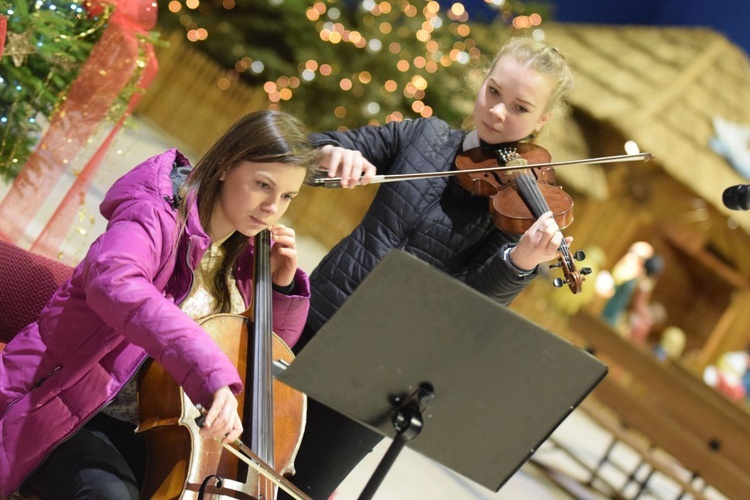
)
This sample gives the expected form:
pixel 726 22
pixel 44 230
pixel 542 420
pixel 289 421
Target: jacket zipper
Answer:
pixel 33 386
pixel 49 374
pixel 192 273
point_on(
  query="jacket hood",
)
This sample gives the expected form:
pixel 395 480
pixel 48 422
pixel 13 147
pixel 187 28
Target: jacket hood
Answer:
pixel 156 179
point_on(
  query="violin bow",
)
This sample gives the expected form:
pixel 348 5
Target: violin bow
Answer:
pixel 334 182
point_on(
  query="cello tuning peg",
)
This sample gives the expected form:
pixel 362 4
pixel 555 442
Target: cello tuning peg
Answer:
pixel 558 282
pixel 585 271
pixel 579 255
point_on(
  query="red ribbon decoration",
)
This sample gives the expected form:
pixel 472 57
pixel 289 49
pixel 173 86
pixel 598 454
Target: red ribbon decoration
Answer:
pixel 110 67
pixel 3 30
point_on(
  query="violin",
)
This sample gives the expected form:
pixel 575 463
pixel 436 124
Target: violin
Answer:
pixel 181 463
pixel 519 196
pixel 515 201
pixel 511 192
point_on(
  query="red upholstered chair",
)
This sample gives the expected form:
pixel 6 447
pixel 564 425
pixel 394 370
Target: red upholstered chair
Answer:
pixel 27 281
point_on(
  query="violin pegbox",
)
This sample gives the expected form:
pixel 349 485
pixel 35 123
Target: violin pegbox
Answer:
pixel 510 156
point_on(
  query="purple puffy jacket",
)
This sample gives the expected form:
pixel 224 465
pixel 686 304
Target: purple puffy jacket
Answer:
pixel 118 308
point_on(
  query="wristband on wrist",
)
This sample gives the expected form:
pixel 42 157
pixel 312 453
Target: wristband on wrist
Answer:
pixel 520 272
pixel 286 290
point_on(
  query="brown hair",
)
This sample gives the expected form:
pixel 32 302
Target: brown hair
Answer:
pixel 260 137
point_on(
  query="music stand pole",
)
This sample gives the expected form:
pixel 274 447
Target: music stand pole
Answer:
pixel 407 421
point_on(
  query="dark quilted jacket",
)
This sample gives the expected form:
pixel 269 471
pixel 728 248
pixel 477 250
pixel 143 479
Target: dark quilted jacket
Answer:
pixel 434 219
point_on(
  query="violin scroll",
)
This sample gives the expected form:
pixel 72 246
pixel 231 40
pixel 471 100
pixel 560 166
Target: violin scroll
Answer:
pixel 573 278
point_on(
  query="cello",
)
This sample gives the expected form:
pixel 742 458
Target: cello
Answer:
pixel 182 464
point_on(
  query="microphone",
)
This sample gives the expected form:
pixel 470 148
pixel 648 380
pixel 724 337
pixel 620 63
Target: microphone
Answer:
pixel 737 197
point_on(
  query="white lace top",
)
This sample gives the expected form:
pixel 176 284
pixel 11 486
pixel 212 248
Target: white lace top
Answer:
pixel 198 305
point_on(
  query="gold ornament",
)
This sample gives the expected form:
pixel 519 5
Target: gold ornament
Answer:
pixel 18 47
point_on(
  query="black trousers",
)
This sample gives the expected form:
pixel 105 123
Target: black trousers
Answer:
pixel 332 445
pixel 104 459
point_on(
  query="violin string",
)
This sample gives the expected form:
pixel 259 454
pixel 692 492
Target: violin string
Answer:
pixel 528 187
pixel 531 192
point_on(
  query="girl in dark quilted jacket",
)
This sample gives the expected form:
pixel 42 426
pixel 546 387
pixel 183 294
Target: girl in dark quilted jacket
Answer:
pixel 434 218
pixel 177 249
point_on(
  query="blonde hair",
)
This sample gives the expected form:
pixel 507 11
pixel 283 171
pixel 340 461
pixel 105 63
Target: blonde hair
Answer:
pixel 545 60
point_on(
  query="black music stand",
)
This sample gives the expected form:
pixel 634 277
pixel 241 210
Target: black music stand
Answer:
pixel 415 351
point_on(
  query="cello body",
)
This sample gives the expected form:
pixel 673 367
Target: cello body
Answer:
pixel 179 459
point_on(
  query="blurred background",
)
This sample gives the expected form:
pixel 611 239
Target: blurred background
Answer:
pixel 91 89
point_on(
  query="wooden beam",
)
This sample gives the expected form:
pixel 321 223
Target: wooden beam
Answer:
pixel 701 428
pixel 675 438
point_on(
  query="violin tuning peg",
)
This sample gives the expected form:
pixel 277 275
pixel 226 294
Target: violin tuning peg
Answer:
pixel 558 282
pixel 579 255
pixel 585 271
pixel 553 266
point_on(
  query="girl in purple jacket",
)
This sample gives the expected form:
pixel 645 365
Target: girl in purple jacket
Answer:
pixel 177 248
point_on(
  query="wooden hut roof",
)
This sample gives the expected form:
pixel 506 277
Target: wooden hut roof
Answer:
pixel 662 88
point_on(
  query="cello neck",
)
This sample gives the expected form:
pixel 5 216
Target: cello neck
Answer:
pixel 260 369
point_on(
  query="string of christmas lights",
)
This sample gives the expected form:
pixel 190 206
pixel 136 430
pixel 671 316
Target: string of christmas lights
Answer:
pixel 340 64
pixel 47 41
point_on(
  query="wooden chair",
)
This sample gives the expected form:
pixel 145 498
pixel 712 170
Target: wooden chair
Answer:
pixel 27 281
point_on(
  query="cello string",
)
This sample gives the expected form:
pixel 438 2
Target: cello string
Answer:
pixel 262 398
pixel 266 472
pixel 249 457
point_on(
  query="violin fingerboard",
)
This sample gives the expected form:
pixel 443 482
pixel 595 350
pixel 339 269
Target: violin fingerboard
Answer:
pixel 531 195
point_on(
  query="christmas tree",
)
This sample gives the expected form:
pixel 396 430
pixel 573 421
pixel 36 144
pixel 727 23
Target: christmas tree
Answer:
pixel 342 64
pixel 46 44
pixel 333 63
